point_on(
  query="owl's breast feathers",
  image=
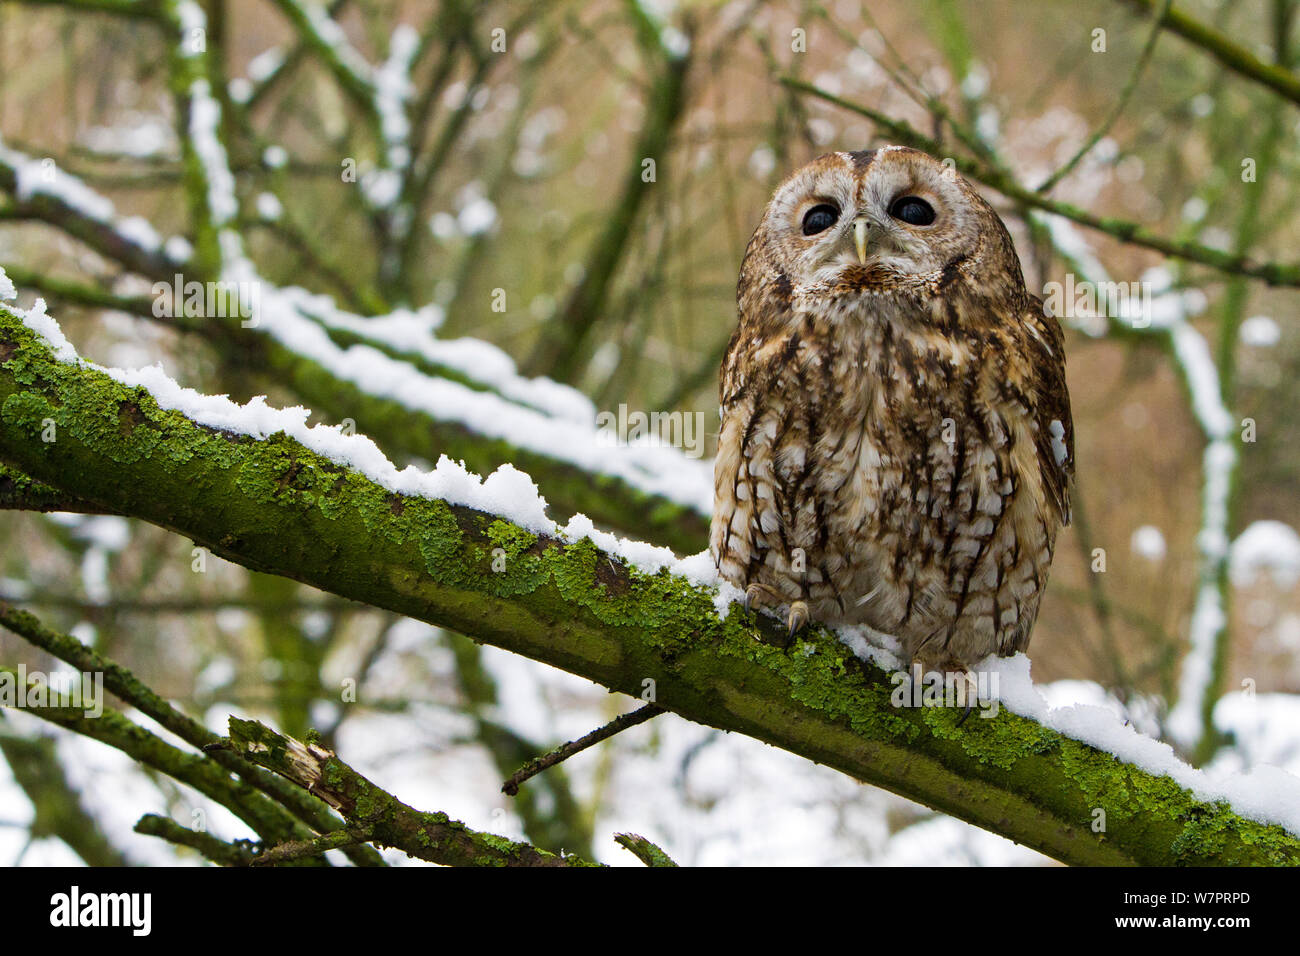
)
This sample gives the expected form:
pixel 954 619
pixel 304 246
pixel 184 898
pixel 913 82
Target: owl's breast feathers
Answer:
pixel 894 463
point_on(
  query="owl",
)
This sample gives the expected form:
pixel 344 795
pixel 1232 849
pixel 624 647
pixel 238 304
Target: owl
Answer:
pixel 896 448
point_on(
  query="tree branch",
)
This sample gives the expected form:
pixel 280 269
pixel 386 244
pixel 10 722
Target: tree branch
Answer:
pixel 643 850
pixel 237 853
pixel 275 506
pixel 126 686
pixel 565 751
pixel 1235 57
pixel 375 814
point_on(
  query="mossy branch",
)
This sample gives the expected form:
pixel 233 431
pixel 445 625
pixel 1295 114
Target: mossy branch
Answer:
pixel 126 686
pixel 645 851
pixel 237 853
pixel 375 814
pixel 1232 55
pixel 113 728
pixel 277 507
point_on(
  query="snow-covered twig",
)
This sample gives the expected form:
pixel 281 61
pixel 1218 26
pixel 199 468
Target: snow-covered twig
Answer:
pixel 42 190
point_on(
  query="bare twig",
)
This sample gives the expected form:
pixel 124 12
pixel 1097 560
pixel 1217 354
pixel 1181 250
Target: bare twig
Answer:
pixel 559 754
pixel 1117 107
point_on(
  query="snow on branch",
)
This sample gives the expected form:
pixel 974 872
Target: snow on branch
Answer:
pixel 466 384
pixel 563 428
pixel 44 191
pixel 330 44
pixel 569 436
pixel 257 486
pixel 382 93
pixel 1168 315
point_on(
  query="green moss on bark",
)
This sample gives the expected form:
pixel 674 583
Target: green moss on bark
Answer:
pixel 275 506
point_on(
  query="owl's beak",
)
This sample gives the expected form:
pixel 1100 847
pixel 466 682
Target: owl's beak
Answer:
pixel 860 227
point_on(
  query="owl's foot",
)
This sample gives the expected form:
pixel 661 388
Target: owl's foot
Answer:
pixel 798 617
pixel 965 687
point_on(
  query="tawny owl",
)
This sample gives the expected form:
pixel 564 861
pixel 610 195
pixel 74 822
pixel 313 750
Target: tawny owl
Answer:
pixel 896 446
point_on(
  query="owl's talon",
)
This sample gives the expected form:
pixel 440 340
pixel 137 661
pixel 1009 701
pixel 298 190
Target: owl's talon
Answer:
pixel 972 696
pixel 966 713
pixel 759 594
pixel 799 616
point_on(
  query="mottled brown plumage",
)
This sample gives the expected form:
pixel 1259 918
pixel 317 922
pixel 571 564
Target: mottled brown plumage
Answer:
pixel 896 445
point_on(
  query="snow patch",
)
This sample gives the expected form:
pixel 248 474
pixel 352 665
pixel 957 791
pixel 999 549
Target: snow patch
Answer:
pixel 1264 794
pixel 1148 542
pixel 1266 546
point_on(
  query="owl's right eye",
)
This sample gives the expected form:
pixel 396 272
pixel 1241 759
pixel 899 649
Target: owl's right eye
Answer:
pixel 819 218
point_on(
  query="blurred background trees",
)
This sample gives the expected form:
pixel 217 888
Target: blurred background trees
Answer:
pixel 575 182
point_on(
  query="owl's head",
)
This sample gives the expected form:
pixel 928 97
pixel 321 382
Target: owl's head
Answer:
pixel 878 222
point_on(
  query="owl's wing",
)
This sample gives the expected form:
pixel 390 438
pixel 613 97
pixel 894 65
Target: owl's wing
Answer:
pixel 730 380
pixel 1055 436
pixel 727 463
pixel 747 478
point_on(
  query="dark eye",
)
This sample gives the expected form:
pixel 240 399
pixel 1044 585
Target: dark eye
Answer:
pixel 819 219
pixel 912 210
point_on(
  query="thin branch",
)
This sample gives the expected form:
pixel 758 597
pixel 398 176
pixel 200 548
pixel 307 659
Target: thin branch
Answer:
pixel 295 850
pixel 643 850
pixel 1232 55
pixel 1117 107
pixel 378 814
pixel 113 728
pixel 561 352
pixel 41 191
pixel 236 853
pixel 559 754
pixel 126 686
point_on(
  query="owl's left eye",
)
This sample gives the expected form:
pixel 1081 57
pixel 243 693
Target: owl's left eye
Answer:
pixel 819 218
pixel 912 210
